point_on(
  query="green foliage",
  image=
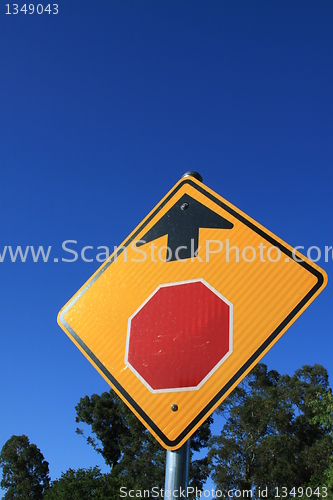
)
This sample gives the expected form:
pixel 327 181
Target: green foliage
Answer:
pixel 134 455
pixel 322 408
pixel 278 432
pixel 25 473
pixel 83 484
pixel 269 437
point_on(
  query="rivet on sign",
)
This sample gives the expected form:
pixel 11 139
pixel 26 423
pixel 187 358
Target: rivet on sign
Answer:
pixel 174 407
pixel 184 206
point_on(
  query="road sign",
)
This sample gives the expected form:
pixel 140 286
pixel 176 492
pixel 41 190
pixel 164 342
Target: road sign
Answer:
pixel 186 306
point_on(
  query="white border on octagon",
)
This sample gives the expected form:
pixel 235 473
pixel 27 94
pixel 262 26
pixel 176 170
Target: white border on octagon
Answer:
pixel 180 389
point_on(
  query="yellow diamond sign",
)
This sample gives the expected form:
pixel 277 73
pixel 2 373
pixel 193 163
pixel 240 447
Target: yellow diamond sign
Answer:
pixel 186 306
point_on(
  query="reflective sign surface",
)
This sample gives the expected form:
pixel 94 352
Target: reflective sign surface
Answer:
pixel 190 302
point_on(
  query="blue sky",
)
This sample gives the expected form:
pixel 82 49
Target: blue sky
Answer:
pixel 103 107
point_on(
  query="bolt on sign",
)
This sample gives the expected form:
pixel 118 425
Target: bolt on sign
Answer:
pixel 186 306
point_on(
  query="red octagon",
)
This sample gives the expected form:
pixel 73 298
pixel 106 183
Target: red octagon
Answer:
pixel 179 336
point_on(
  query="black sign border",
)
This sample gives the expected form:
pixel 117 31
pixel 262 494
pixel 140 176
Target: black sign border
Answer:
pixel 205 411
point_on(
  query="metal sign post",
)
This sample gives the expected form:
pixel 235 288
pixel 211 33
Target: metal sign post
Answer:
pixel 176 471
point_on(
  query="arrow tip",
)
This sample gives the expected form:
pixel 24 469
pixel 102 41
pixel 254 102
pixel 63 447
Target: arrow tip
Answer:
pixel 194 174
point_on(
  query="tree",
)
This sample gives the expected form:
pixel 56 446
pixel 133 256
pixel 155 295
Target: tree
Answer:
pixel 83 484
pixel 133 454
pixel 323 414
pixel 25 472
pixel 269 438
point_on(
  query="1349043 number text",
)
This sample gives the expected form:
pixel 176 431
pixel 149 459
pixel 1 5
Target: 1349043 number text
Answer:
pixel 15 8
pixel 307 492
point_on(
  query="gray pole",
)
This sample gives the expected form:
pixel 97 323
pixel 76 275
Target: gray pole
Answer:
pixel 176 471
pixel 178 461
pixel 193 174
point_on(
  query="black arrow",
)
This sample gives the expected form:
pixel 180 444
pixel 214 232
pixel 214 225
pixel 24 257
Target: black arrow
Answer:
pixel 181 223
